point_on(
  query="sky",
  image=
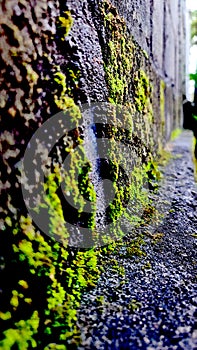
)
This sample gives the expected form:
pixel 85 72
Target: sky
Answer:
pixel 192 5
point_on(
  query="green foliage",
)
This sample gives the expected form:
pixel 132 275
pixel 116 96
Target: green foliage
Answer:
pixel 193 27
pixel 193 76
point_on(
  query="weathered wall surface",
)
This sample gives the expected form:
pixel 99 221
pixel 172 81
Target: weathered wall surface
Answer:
pixel 159 28
pixel 56 55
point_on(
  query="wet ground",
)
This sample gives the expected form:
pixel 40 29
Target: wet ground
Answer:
pixel 149 300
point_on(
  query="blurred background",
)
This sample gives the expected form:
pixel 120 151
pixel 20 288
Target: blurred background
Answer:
pixel 192 66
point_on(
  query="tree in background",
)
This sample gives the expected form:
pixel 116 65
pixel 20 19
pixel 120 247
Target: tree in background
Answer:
pixel 194 27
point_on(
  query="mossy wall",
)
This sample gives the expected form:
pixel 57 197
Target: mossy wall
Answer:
pixel 56 55
pixel 159 27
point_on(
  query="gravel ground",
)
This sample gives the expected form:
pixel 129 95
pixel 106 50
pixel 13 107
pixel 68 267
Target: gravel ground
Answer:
pixel 153 304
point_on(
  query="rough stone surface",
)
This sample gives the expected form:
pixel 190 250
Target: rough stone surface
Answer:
pixel 54 55
pixel 160 29
pixel 148 25
pixel 139 20
pixel 90 60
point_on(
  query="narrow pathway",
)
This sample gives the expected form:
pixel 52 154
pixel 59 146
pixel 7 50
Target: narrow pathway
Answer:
pixel 153 304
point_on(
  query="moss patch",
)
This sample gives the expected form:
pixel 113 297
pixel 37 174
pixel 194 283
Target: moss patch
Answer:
pixel 175 134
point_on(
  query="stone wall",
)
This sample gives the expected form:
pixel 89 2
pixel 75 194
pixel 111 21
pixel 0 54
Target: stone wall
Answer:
pixel 55 56
pixel 159 27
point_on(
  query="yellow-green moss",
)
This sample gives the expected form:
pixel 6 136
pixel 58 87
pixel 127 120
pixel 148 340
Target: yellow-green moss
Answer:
pixel 162 101
pixel 63 276
pixel 175 133
pixel 49 261
pixel 22 335
pixel 161 132
pixel 67 275
pixel 66 22
pixel 119 55
pixel 143 94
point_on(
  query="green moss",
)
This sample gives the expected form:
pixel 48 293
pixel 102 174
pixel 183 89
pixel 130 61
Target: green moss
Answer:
pixel 175 134
pixel 51 276
pixel 118 54
pixel 123 72
pixel 163 157
pixel 134 248
pixel 47 261
pixel 54 346
pixel 50 262
pixel 162 101
pixel 8 221
pixel 120 64
pixel 22 334
pixel 87 190
pixel 134 305
pixel 143 92
pixel 66 22
pixel 62 274
pixel 61 98
pixel 100 300
pixel 147 266
pixel 153 174
pixel 145 54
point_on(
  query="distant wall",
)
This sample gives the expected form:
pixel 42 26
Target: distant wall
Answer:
pixel 158 27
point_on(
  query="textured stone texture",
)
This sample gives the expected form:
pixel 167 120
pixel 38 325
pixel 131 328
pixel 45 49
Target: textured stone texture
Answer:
pixel 88 51
pixel 139 17
pixel 156 26
pixel 126 52
pixel 159 28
